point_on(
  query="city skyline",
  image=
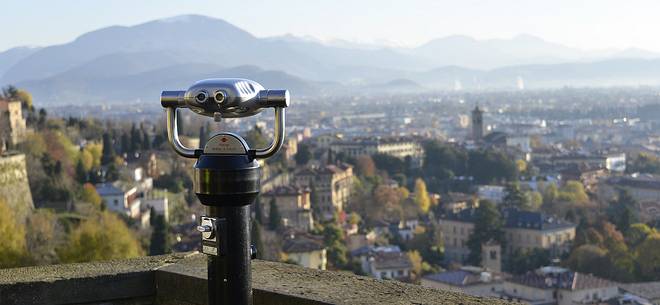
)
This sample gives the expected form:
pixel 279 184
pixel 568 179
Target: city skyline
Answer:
pixel 589 26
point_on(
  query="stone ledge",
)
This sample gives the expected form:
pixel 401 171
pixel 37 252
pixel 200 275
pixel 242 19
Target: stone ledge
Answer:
pixel 180 279
pixel 279 284
pixel 130 279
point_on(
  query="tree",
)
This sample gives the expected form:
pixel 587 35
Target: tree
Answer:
pixel 159 236
pixel 443 161
pixel 13 251
pixel 333 237
pixel 515 198
pixel 81 173
pixel 416 260
pixel 520 262
pixel 108 155
pixel 125 143
pixel 392 165
pixel 422 199
pixel 314 201
pixel 550 194
pixel 87 159
pixel 622 211
pixel 112 174
pixel 255 137
pixel 43 235
pixel 303 155
pixel 274 217
pixel 136 139
pixel 365 166
pixel 588 259
pixel 488 226
pixel 101 237
pixel 146 142
pixel 90 195
pixel 573 192
pixel 534 201
pixel 637 233
pixel 644 163
pixel 648 254
pixel 488 165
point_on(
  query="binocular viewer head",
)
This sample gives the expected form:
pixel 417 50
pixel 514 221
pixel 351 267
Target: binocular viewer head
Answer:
pixel 226 98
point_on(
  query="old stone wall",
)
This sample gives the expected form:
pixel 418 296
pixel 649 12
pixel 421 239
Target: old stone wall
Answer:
pixel 14 185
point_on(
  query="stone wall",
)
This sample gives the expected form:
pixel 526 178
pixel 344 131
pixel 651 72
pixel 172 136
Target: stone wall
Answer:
pixel 14 185
pixel 180 279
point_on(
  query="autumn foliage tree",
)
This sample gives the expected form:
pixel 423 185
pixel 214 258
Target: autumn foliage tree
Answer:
pixel 13 251
pixel 101 237
pixel 422 199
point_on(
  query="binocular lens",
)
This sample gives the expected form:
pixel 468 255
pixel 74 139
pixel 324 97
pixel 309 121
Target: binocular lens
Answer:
pixel 219 97
pixel 201 97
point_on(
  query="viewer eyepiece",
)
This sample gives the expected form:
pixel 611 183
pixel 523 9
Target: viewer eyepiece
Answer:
pixel 201 97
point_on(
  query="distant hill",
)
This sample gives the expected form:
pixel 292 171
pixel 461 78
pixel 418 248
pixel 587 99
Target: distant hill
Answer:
pixel 12 56
pixel 123 64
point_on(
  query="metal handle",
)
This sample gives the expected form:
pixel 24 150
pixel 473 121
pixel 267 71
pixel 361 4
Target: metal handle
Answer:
pixel 278 138
pixel 173 136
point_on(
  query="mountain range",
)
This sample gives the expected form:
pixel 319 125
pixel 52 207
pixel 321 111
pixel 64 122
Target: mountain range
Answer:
pixel 126 64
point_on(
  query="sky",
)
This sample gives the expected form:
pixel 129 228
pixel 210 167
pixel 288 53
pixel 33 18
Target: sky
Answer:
pixel 585 24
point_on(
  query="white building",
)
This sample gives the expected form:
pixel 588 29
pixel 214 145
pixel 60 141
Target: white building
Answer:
pixel 386 262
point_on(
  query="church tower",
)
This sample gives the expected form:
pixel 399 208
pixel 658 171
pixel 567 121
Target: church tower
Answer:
pixel 477 124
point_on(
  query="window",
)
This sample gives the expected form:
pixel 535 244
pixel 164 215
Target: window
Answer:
pixel 116 202
pixel 493 254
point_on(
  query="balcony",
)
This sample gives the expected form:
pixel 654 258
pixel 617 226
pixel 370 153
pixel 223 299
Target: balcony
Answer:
pixel 180 279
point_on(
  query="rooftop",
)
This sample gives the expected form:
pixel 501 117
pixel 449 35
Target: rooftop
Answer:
pixel 179 279
pixel 464 277
pixel 301 243
pixel 565 279
pixel 514 218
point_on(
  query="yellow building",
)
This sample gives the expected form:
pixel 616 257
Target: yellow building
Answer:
pixel 294 206
pixel 305 250
pixel 332 184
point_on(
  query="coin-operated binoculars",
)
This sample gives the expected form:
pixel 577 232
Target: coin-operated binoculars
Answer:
pixel 226 176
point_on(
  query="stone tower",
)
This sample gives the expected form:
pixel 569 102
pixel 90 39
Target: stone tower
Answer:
pixel 491 258
pixel 12 124
pixel 477 124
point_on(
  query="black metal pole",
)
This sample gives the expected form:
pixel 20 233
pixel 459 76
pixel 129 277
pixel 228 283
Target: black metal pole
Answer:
pixel 229 275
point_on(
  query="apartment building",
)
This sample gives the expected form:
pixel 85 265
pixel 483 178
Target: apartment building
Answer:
pixel 396 147
pixel 332 183
pixel 524 231
pixel 294 206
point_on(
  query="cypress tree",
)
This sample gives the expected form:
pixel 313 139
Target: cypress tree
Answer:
pixel 146 143
pixel 136 139
pixel 108 153
pixel 125 143
pixel 81 174
pixel 274 217
pixel 159 241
